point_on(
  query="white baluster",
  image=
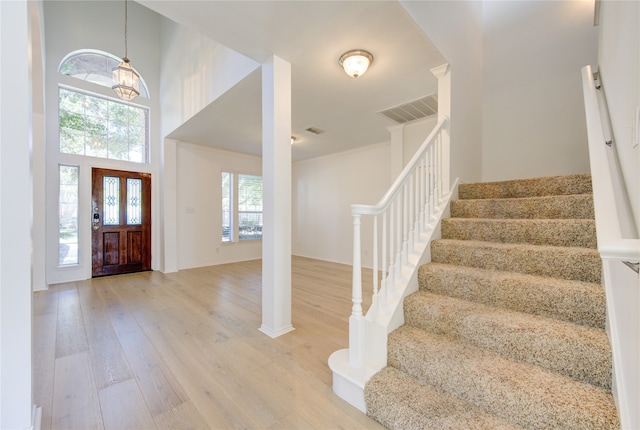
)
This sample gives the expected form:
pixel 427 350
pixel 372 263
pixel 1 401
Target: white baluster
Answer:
pixel 384 264
pixel 405 223
pixel 416 202
pixel 423 192
pixel 391 279
pixel 439 161
pixel 356 320
pixel 374 301
pixel 398 237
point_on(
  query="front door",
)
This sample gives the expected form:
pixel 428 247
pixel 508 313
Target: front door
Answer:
pixel 120 222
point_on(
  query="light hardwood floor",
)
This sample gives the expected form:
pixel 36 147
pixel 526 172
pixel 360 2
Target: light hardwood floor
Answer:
pixel 183 350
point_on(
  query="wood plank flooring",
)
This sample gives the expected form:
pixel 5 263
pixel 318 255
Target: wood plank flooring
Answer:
pixel 183 351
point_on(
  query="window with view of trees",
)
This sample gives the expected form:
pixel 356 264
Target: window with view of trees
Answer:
pixel 241 207
pixel 99 127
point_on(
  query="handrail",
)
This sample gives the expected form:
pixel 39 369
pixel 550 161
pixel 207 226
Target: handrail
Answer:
pixel 403 223
pixel 385 201
pixel 611 243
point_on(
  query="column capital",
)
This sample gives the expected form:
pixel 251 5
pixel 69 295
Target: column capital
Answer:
pixel 395 128
pixel 440 71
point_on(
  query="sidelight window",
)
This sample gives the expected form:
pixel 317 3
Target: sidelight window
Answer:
pixel 68 215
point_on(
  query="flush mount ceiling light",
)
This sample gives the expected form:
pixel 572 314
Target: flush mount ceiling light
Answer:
pixel 126 82
pixel 356 62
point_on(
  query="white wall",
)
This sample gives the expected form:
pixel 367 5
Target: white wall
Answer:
pixel 619 65
pixel 199 209
pixel 533 110
pixel 324 189
pixel 414 135
pixel 455 28
pixel 73 25
pixel 195 71
pixel 15 215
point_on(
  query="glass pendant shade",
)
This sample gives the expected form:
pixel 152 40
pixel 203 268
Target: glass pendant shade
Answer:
pixel 126 82
pixel 355 63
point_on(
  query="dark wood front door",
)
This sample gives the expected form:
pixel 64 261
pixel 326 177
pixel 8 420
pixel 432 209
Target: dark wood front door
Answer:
pixel 120 222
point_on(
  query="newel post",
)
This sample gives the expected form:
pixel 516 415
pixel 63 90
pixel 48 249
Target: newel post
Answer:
pixel 443 74
pixel 356 320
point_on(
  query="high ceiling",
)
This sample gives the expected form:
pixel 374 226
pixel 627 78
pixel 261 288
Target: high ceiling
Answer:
pixel 311 35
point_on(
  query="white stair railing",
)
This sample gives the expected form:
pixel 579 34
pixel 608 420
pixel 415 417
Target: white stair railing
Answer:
pixel 403 223
pixel 400 221
pixel 398 231
pixel 620 253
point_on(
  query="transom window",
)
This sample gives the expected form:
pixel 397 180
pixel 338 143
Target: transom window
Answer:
pixel 99 127
pixel 94 66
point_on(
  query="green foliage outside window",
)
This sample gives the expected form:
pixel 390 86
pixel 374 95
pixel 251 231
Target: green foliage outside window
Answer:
pixel 99 127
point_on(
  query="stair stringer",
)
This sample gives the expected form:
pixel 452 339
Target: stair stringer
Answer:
pixel 382 319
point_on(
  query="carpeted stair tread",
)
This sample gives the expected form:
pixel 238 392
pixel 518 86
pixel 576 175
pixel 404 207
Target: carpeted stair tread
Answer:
pixel 551 232
pixel 572 301
pixel 580 264
pixel 582 353
pixel 416 405
pixel 577 206
pixel 545 186
pixel 521 393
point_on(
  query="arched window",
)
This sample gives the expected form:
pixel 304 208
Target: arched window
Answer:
pixel 95 125
pixel 94 66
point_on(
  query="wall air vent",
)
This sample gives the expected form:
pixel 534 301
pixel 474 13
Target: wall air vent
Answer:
pixel 421 108
pixel 314 130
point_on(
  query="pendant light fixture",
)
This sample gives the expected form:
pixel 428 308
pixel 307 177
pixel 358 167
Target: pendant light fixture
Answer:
pixel 356 62
pixel 126 82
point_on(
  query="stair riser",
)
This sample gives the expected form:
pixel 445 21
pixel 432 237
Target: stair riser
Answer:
pixel 574 233
pixel 570 184
pixel 570 301
pixel 523 394
pixel 565 263
pixel 578 352
pixel 557 207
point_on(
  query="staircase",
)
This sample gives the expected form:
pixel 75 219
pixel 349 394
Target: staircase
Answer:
pixel 507 328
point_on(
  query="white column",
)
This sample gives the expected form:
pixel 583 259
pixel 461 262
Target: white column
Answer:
pixel 396 151
pixel 276 183
pixel 443 73
pixel 15 216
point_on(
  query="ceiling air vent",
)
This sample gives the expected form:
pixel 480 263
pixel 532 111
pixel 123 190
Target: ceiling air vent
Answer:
pixel 411 111
pixel 314 130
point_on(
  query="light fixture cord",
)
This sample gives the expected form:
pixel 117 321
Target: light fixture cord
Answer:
pixel 126 53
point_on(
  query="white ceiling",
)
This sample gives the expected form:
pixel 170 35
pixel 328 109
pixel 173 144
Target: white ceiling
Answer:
pixel 311 35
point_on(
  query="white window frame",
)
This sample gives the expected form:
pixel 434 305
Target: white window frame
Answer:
pixel 234 211
pixel 77 220
pixel 145 156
